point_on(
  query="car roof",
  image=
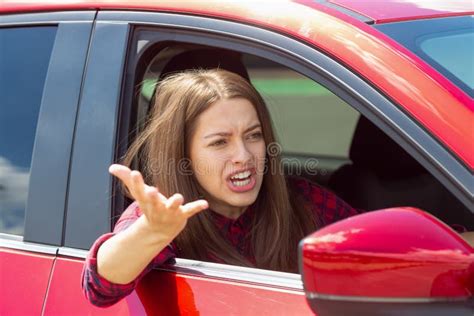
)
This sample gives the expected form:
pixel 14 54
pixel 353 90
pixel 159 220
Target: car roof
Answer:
pixel 375 11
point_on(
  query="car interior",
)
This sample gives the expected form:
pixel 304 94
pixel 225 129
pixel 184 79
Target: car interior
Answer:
pixel 381 175
pixel 368 170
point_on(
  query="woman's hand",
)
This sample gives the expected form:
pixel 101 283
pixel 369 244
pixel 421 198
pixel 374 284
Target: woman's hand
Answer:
pixel 121 258
pixel 164 216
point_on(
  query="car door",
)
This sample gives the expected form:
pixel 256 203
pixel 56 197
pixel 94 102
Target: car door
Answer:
pixel 102 127
pixel 90 205
pixel 43 57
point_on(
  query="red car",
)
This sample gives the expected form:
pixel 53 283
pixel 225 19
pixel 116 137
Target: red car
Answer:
pixel 373 100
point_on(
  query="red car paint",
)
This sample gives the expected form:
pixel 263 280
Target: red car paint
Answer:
pixel 202 296
pixel 158 295
pixel 402 258
pixel 28 271
pixel 65 294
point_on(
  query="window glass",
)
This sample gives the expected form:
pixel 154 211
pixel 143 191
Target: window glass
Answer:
pixel 313 126
pixel 447 44
pixel 459 62
pixel 304 112
pixel 24 60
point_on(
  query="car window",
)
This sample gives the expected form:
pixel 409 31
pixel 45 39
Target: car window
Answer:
pixel 313 126
pixel 24 60
pixel 434 40
pixel 322 138
pixel 303 112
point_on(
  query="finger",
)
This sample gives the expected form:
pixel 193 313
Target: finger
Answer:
pixel 125 175
pixel 138 187
pixel 194 207
pixel 122 172
pixel 153 198
pixel 161 196
pixel 175 201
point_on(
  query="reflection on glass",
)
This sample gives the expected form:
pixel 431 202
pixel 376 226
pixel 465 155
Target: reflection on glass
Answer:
pixel 447 44
pixel 458 61
pixel 13 193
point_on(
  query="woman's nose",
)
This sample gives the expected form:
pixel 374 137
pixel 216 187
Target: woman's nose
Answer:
pixel 241 153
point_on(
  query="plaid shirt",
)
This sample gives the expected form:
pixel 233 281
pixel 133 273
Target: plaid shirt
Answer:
pixel 325 205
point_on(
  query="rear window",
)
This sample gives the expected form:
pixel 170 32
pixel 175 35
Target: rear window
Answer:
pixel 447 44
pixel 24 60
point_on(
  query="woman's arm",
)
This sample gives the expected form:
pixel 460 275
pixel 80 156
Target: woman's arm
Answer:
pixel 98 290
pixel 123 257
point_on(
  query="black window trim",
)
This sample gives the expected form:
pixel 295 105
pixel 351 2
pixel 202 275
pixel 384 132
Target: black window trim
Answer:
pixel 48 18
pixel 88 203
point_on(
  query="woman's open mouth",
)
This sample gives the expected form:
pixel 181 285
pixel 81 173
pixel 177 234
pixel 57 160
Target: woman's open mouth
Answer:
pixel 242 181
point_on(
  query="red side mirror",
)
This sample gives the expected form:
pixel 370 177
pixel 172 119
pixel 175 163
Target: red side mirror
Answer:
pixel 399 261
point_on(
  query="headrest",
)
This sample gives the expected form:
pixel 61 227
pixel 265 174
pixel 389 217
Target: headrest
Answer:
pixel 207 58
pixel 373 149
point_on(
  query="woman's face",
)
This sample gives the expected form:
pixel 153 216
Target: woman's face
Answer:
pixel 227 153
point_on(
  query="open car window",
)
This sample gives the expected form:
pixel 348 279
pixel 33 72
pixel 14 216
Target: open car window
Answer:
pixel 316 123
pixel 325 140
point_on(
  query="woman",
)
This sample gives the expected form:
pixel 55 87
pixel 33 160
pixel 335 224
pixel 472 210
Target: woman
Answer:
pixel 217 192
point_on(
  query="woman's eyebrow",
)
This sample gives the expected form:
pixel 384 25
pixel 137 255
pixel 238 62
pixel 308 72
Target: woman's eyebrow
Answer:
pixel 252 127
pixel 217 134
pixel 223 134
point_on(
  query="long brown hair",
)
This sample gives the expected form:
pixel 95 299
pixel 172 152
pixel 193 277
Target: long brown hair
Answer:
pixel 161 151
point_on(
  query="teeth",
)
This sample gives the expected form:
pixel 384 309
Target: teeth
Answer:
pixel 241 175
pixel 241 183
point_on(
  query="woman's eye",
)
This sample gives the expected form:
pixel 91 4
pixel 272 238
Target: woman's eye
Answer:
pixel 256 135
pixel 218 142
